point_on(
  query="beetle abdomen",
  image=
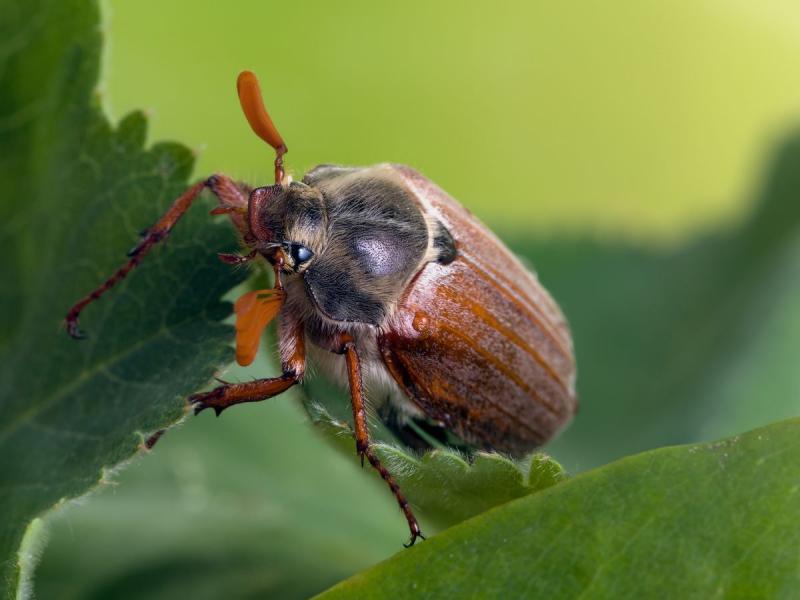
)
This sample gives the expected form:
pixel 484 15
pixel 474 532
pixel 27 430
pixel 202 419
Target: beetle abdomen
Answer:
pixel 478 343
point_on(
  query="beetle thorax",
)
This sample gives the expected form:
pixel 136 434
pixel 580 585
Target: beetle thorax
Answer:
pixel 353 237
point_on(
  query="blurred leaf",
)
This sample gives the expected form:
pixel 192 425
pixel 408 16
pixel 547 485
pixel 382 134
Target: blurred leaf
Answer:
pixel 640 119
pixel 701 521
pixel 685 345
pixel 442 484
pixel 75 194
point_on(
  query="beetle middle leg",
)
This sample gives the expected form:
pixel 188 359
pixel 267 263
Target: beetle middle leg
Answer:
pixel 363 446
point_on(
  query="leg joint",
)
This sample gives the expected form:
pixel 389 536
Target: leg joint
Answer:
pixel 344 342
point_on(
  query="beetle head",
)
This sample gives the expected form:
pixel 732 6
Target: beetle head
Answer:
pixel 288 220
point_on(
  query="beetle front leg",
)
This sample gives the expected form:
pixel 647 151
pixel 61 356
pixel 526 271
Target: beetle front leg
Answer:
pixel 363 446
pixel 229 194
pixel 293 362
pixel 227 395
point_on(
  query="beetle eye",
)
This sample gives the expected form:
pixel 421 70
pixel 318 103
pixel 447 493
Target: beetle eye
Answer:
pixel 300 253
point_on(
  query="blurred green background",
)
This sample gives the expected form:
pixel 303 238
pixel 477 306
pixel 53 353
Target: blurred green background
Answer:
pixel 642 156
pixel 646 118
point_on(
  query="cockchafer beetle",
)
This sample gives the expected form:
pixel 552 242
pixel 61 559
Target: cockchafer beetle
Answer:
pixel 383 278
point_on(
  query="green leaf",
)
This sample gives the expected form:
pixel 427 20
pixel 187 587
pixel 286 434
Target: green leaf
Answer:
pixel 442 484
pixel 75 194
pixel 700 521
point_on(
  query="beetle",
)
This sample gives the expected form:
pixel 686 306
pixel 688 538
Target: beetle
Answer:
pixel 383 279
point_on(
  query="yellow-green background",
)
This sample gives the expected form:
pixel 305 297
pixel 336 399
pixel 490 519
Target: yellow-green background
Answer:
pixel 647 118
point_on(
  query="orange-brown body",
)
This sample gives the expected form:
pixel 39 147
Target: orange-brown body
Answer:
pixel 478 343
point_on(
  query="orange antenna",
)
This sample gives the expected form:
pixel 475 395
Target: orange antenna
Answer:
pixel 258 117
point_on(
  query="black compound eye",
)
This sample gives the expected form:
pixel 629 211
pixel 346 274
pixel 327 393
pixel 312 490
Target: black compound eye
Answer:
pixel 300 253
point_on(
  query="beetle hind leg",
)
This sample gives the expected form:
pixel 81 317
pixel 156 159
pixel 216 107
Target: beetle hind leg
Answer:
pixel 413 526
pixel 363 446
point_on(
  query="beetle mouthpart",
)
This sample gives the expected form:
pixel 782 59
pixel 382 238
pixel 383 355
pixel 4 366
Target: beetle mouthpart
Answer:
pixel 236 259
pixel 269 249
pixel 254 311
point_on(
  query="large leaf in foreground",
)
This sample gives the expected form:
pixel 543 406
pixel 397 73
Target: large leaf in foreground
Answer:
pixel 701 521
pixel 75 193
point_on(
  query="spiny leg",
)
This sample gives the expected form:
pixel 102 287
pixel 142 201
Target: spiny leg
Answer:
pixel 293 359
pixel 222 186
pixel 233 201
pixel 363 446
pixel 229 192
pixel 229 394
